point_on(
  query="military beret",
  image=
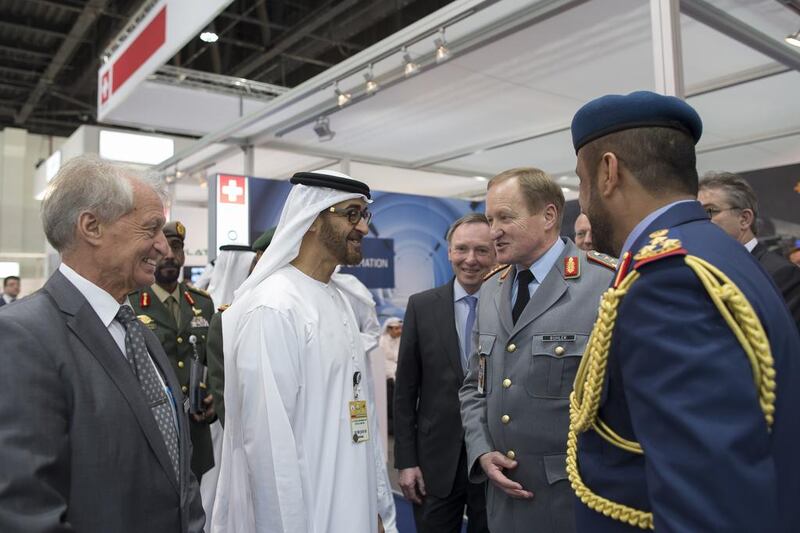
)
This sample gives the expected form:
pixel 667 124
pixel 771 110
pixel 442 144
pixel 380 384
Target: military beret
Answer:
pixel 640 109
pixel 174 229
pixel 264 240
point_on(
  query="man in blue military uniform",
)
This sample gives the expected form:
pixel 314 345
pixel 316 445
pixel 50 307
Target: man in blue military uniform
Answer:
pixel 685 410
pixel 179 315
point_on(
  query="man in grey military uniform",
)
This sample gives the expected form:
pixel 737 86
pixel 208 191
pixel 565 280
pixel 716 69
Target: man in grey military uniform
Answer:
pixel 534 320
pixel 179 315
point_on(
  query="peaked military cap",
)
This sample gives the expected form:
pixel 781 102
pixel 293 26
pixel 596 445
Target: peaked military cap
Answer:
pixel 174 229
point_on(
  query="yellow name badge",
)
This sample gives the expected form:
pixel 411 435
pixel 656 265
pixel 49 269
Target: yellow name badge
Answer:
pixel 359 425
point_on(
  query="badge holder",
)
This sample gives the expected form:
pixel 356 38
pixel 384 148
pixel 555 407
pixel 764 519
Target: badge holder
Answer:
pixel 359 422
pixel 197 381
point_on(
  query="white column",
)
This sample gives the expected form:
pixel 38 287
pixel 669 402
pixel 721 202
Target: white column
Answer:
pixel 667 56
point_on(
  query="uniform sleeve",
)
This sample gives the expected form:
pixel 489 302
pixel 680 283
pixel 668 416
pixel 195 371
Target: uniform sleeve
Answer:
pixel 473 416
pixel 693 408
pixel 406 392
pixel 216 366
pixel 268 352
pixel 34 436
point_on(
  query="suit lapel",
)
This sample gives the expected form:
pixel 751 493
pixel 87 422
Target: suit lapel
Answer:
pixel 447 334
pixel 86 325
pixel 549 292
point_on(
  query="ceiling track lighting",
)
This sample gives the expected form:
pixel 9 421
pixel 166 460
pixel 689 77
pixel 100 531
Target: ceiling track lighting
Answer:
pixel 793 39
pixel 409 66
pixel 371 86
pixel 342 98
pixel 209 37
pixel 323 129
pixel 442 51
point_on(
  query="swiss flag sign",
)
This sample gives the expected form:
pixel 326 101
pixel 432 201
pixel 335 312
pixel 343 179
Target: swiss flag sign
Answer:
pixel 105 86
pixel 231 189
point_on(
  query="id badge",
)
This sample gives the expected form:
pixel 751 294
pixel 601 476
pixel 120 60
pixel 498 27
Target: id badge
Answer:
pixel 359 425
pixel 482 374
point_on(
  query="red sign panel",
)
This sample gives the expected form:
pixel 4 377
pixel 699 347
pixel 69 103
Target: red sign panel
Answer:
pixel 231 189
pixel 140 50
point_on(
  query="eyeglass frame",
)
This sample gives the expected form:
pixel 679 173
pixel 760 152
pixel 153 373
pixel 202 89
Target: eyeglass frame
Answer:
pixel 350 212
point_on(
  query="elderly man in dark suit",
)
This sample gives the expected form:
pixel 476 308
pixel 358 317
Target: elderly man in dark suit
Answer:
pixel 732 205
pixel 94 438
pixel 434 351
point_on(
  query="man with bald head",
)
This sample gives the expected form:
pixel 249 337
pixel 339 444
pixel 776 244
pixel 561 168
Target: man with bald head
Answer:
pixel 94 438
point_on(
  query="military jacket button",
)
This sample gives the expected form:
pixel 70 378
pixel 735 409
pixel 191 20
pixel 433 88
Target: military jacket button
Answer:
pixel 506 383
pixel 511 347
pixel 511 455
pixel 180 340
pixel 559 350
pixel 505 419
pixel 185 389
pixel 180 364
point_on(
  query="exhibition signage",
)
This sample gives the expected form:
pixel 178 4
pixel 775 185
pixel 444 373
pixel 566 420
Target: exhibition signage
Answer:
pixel 233 218
pixel 166 28
pixel 376 269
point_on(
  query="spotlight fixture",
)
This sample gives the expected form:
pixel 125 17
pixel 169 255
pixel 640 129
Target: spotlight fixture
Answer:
pixel 409 66
pixel 342 98
pixel 209 37
pixel 793 39
pixel 371 87
pixel 323 129
pixel 442 51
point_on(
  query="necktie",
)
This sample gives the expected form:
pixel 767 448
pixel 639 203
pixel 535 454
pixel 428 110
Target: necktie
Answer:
pixel 175 309
pixel 143 367
pixel 524 278
pixel 468 326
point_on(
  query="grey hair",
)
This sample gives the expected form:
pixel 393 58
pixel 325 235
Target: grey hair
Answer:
pixel 469 218
pixel 737 191
pixel 88 183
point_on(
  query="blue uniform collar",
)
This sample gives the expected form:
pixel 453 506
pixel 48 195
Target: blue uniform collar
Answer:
pixel 686 210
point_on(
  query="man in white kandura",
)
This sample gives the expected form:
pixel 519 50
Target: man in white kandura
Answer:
pixel 300 451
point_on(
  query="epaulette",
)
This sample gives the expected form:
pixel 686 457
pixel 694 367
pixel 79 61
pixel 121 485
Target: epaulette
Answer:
pixel 659 247
pixel 497 269
pixel 223 307
pixel 602 259
pixel 201 292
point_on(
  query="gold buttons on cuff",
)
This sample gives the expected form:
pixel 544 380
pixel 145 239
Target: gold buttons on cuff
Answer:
pixel 185 389
pixel 506 383
pixel 180 340
pixel 511 347
pixel 180 364
pixel 559 350
pixel 511 455
pixel 505 419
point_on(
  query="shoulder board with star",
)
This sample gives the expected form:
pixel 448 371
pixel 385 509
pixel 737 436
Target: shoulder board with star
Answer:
pixel 602 259
pixel 659 247
pixel 223 307
pixel 495 270
pixel 201 292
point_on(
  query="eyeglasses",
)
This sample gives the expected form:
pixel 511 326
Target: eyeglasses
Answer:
pixel 353 214
pixel 714 211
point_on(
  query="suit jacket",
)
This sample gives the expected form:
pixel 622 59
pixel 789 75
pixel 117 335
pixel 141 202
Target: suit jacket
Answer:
pixel 786 276
pixel 427 420
pixel 175 341
pixel 79 447
pixel 529 371
pixel 679 383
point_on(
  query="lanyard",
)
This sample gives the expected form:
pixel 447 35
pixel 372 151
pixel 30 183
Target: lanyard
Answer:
pixel 356 384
